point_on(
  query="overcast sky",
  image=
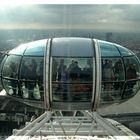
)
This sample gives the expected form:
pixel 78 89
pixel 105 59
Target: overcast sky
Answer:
pixel 93 16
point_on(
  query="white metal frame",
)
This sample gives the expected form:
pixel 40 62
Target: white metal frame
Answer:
pixel 86 126
pixel 46 75
pixel 98 75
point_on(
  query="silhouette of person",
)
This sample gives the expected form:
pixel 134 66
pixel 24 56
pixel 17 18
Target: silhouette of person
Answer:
pixel 131 72
pixel 75 71
pixel 60 69
pixel 40 78
pixel 13 75
pixel 54 70
pixel 31 74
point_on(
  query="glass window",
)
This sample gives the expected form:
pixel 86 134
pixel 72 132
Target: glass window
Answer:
pixel 3 59
pixel 72 79
pixel 11 87
pixel 112 69
pixel 31 78
pixel 72 92
pixel 36 48
pixel 132 68
pixel 70 47
pixel 124 51
pixel 108 49
pixel 19 50
pixel 32 68
pixel 31 90
pixel 76 69
pixel 24 89
pixel 113 76
pixel 131 88
pixel 11 66
pixel 111 91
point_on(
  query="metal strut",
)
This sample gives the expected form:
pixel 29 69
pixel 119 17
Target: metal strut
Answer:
pixel 81 125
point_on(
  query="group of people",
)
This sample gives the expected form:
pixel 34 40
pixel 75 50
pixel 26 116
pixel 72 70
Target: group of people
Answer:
pixel 31 76
pixel 73 72
pixel 117 72
pixel 72 77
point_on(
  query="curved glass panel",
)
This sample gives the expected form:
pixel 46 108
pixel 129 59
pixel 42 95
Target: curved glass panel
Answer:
pixel 132 68
pixel 11 87
pixel 124 51
pixel 11 66
pixel 72 79
pixel 131 88
pixel 2 62
pixel 36 48
pixel 24 89
pixel 112 69
pixel 32 68
pixel 113 76
pixel 70 47
pixel 31 78
pixel 31 90
pixel 18 50
pixel 111 91
pixel 108 49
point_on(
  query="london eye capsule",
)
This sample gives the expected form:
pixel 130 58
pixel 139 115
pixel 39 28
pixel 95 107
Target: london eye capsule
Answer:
pixel 70 73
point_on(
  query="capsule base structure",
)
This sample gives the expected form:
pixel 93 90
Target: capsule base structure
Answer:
pixel 70 73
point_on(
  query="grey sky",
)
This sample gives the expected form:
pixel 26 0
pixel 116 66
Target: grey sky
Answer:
pixel 96 17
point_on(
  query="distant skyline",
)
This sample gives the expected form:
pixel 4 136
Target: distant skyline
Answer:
pixel 105 17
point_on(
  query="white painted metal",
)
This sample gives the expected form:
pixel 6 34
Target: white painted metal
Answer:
pixel 87 126
pixel 97 74
pixel 46 75
pixel 50 76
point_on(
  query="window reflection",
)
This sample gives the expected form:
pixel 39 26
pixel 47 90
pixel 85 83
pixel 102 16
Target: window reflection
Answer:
pixel 32 68
pixel 30 85
pixel 112 69
pixel 11 87
pixel 132 68
pixel 31 75
pixel 72 79
pixel 11 66
pixel 71 92
pixel 2 61
pixel 72 69
pixel 131 89
pixel 108 49
pixel 115 94
pixel 18 50
pixel 36 48
pixel 30 90
pixel 124 51
pixel 70 47
pixel 113 76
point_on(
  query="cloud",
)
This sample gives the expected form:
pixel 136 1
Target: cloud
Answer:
pixel 43 16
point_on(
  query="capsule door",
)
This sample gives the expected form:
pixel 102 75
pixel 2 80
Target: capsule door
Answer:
pixel 72 75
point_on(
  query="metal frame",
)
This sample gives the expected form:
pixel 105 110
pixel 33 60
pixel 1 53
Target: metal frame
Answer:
pixel 86 126
pixel 46 75
pixel 98 75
